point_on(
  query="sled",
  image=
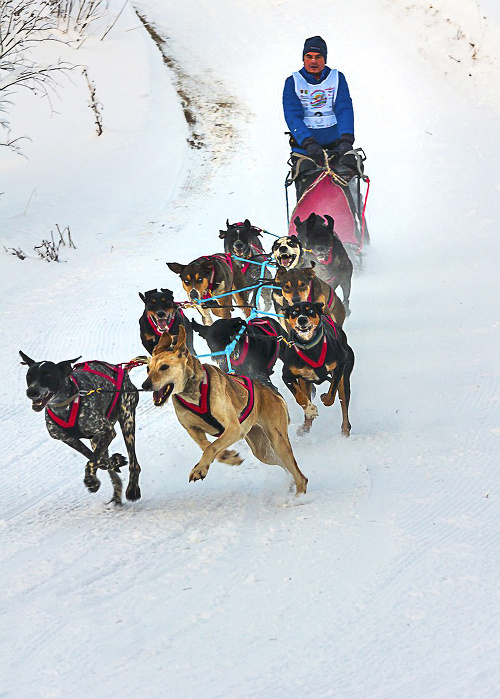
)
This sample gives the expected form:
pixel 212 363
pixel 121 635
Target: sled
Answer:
pixel 336 192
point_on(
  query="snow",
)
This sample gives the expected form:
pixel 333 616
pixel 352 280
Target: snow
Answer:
pixel 383 581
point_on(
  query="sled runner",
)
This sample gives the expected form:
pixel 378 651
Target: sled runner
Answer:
pixel 333 190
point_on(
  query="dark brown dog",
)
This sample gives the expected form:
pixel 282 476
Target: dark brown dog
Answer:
pixel 209 276
pixel 323 246
pixel 161 313
pixel 209 402
pixel 303 285
pixel 318 351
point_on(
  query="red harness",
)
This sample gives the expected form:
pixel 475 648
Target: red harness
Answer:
pixel 320 361
pixel 266 327
pixel 159 332
pixel 331 297
pixel 202 408
pixel 84 366
pixel 222 257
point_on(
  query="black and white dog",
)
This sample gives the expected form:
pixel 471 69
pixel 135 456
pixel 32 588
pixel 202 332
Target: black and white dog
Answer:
pixel 84 401
pixel 288 252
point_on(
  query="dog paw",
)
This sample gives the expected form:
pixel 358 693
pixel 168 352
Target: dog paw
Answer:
pixel 116 462
pixel 92 483
pixel 326 399
pixel 133 492
pixel 198 474
pixel 305 428
pixel 311 412
pixel 230 457
pixel 116 502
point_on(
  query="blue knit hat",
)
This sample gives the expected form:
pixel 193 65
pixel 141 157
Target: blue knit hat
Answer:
pixel 314 44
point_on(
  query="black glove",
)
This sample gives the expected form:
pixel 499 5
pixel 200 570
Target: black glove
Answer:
pixel 345 144
pixel 314 150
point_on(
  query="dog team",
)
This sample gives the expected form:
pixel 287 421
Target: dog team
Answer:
pixel 234 398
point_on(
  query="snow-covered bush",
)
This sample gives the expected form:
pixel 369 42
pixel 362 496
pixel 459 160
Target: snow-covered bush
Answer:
pixel 23 25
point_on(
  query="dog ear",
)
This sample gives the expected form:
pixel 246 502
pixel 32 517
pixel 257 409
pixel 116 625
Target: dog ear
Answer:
pixel 309 272
pixel 180 345
pixel 202 330
pixel 222 234
pixel 312 264
pixel 330 221
pixel 297 221
pixel 246 224
pixel 66 367
pixel 311 221
pixel 164 343
pixel 319 307
pixel 26 360
pixel 143 298
pixel 176 267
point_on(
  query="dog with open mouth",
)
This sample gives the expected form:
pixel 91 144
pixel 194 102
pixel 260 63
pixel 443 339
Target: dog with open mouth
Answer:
pixel 317 351
pixel 212 276
pixel 208 401
pixel 84 401
pixel 162 313
pixel 288 252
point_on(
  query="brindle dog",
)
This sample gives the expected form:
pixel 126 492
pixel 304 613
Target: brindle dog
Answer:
pixel 318 351
pixel 213 275
pixel 84 401
pixel 303 285
pixel 209 402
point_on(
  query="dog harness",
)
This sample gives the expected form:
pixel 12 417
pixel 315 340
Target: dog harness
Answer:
pixel 222 257
pixel 331 297
pixel 159 332
pixel 268 329
pixel 116 380
pixel 202 408
pixel 321 359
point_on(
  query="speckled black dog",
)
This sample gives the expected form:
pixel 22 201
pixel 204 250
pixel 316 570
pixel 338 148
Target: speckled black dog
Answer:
pixel 84 401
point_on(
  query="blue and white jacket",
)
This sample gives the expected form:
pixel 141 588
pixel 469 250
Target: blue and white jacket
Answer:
pixel 294 111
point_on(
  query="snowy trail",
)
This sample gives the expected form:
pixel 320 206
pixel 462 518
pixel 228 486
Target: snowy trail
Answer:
pixel 382 582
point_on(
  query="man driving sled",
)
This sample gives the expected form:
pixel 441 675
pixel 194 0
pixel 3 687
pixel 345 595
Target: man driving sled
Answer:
pixel 318 111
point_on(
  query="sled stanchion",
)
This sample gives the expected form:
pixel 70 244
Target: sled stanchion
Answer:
pixel 287 204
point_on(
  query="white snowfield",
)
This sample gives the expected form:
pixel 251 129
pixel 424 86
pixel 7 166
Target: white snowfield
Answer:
pixel 383 581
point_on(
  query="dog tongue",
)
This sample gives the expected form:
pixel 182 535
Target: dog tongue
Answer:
pixel 160 397
pixel 162 323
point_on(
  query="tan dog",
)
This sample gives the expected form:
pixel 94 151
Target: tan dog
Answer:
pixel 302 284
pixel 209 401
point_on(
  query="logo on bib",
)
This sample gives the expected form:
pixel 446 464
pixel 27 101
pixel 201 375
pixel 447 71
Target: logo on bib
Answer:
pixel 318 99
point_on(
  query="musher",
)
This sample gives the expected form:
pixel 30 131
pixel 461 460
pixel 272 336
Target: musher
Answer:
pixel 318 111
